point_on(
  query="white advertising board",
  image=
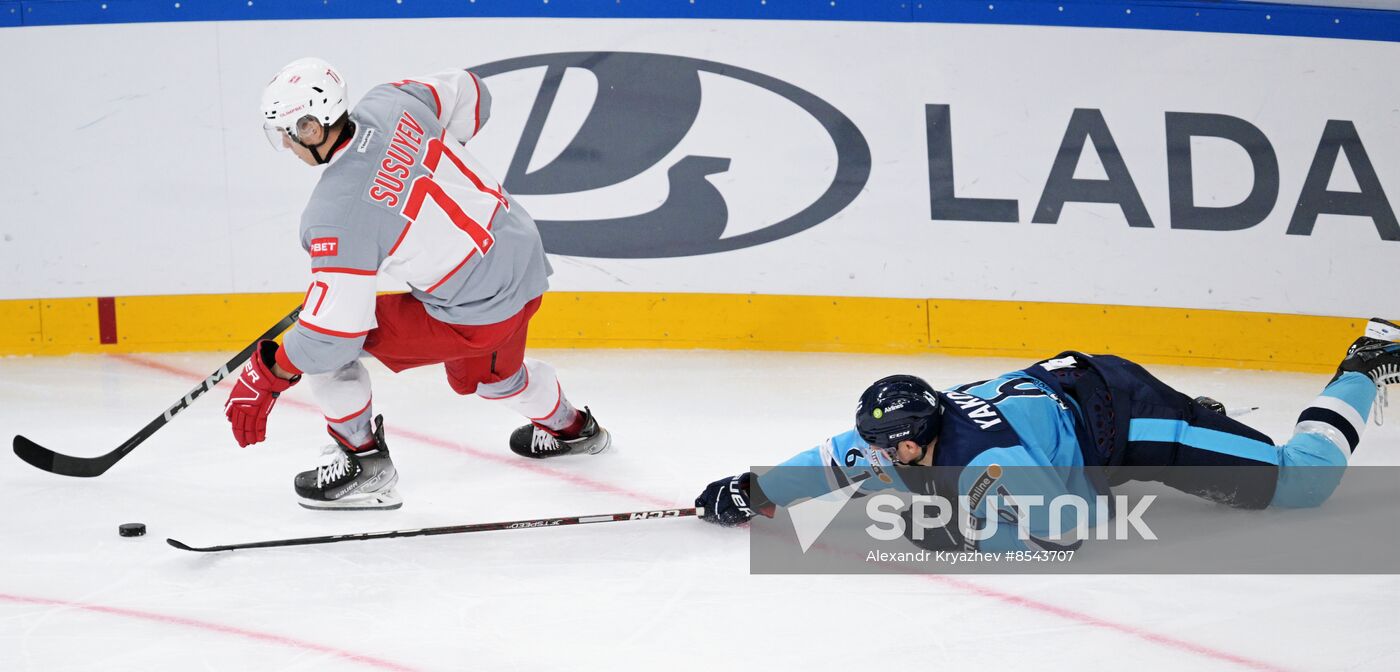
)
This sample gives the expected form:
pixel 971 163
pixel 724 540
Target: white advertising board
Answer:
pixel 1079 165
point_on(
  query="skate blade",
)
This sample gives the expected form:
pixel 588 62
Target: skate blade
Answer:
pixel 600 446
pixel 374 501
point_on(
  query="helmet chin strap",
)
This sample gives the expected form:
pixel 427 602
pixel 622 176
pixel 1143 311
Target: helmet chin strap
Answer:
pixel 346 133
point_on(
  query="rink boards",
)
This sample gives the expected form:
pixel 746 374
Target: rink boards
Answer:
pixel 738 322
pixel 879 186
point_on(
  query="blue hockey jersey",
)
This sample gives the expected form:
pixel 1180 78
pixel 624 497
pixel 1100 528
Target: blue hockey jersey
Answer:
pixel 1013 436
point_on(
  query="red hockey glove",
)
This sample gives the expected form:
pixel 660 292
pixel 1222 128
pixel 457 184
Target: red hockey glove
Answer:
pixel 253 395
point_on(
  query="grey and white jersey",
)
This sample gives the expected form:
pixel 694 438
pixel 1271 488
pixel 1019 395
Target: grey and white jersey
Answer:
pixel 403 198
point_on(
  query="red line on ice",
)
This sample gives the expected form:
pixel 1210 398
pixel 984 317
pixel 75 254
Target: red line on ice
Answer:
pixel 969 586
pixel 505 460
pixel 167 619
pixel 1095 621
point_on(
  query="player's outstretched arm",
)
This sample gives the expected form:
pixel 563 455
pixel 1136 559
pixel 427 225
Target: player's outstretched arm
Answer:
pixel 835 463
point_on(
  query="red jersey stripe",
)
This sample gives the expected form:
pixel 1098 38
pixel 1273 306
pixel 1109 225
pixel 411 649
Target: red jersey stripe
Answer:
pixel 332 332
pixel 560 389
pixel 516 393
pixel 347 271
pixel 452 272
pixel 437 102
pixel 398 242
pixel 352 416
pixel 476 113
pixel 475 180
pixel 335 151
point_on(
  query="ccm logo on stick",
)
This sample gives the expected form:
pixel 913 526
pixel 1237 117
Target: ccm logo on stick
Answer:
pixel 324 247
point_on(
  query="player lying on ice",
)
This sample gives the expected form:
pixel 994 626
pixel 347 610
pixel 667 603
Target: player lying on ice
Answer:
pixel 1074 410
pixel 400 196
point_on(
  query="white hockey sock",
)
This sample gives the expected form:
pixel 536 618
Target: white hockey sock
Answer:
pixel 345 399
pixel 535 393
pixel 1339 413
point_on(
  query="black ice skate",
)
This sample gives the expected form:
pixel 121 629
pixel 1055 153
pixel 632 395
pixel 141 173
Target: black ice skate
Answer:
pixel 1377 356
pixel 352 479
pixel 536 442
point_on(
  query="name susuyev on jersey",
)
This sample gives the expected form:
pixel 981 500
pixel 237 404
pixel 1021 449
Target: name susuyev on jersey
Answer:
pixel 1013 421
pixel 404 199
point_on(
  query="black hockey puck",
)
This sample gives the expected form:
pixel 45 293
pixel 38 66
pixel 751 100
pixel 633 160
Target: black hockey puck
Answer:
pixel 132 529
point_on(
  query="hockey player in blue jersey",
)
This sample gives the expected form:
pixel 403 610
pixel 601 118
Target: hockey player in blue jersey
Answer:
pixel 1074 418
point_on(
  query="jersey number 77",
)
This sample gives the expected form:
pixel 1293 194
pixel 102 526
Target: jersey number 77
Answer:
pixel 451 200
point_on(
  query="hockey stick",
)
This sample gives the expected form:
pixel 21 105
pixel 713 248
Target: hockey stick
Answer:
pixel 87 467
pixel 450 529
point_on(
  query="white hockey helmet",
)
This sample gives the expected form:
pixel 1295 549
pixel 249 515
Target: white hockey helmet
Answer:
pixel 304 93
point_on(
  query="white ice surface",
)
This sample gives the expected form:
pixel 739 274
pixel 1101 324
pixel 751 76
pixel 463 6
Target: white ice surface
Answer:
pixel 649 595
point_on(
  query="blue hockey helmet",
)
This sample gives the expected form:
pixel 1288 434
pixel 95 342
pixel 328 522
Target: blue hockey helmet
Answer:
pixel 898 408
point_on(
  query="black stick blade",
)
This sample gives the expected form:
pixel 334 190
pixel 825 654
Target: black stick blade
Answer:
pixel 34 453
pixel 182 545
pixel 63 465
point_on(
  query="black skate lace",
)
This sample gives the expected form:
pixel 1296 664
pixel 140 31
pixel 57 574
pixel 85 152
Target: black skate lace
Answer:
pixel 1386 374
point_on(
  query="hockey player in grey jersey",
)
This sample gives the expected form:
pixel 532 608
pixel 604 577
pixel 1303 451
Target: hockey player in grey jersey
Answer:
pixel 399 196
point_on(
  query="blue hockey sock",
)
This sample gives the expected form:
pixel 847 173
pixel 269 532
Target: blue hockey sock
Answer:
pixel 1311 464
pixel 1339 414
